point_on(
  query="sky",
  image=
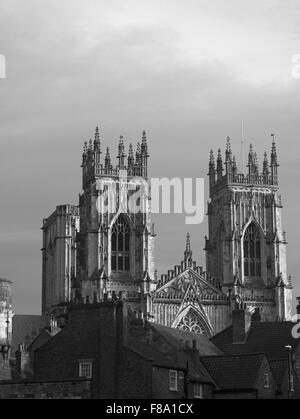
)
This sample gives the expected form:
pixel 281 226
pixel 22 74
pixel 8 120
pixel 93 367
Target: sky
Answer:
pixel 187 71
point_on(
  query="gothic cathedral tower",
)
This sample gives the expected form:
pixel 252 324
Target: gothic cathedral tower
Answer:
pixel 115 246
pixel 246 248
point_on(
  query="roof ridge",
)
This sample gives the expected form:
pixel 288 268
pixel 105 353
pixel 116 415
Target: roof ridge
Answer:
pixel 233 355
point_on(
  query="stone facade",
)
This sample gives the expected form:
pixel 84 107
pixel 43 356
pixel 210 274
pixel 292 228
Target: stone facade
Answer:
pixel 5 315
pixel 246 247
pixel 59 256
pixel 189 299
pixel 115 245
pixel 111 248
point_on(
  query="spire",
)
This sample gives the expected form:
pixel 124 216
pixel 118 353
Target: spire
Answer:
pixel 144 147
pixel 219 165
pixel 211 159
pixel 228 158
pixel 274 162
pixel 265 165
pixel 250 155
pixel 255 160
pixel 188 242
pixel 85 147
pixel 97 145
pixel 130 153
pixel 144 155
pixel 130 158
pixel 234 166
pixel 138 154
pixel 252 162
pixel 121 147
pixel 121 154
pixel 188 254
pixel 84 154
pixel 107 160
pixel 212 169
pixel 228 149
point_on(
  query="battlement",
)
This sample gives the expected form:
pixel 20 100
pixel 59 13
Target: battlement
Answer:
pixel 225 173
pixel 61 211
pixel 94 167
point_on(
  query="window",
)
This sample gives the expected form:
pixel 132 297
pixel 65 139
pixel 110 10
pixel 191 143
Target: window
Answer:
pixel 198 391
pixel 120 243
pixel 252 252
pixel 173 380
pixel 85 370
pixel 267 381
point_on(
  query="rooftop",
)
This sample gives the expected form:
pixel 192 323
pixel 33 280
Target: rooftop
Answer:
pixel 238 372
pixel 269 338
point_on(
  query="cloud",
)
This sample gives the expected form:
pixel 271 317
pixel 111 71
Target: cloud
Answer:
pixel 188 72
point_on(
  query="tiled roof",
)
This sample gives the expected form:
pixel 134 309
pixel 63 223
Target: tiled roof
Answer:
pixel 26 326
pixel 166 347
pixel 269 338
pixel 178 337
pixel 238 372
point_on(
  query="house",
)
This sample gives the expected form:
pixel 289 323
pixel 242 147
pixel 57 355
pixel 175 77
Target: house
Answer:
pixel 273 339
pixel 121 355
pixel 241 376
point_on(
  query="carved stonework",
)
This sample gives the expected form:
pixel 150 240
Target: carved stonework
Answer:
pixel 191 323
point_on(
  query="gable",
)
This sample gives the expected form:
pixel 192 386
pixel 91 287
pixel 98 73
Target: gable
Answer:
pixel 178 286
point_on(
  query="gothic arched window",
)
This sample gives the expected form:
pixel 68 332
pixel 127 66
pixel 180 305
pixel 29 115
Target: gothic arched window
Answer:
pixel 120 244
pixel 192 322
pixel 252 252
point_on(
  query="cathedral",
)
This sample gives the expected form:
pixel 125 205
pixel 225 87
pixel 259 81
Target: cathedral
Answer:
pixel 91 255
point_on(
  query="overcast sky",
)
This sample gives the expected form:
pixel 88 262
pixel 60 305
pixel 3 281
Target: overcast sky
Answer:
pixel 187 71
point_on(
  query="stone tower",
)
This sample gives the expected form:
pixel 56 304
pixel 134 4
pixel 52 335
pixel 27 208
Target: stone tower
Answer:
pixel 59 256
pixel 246 247
pixel 115 244
pixel 5 318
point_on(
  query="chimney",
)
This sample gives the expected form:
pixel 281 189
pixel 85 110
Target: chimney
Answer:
pixel 22 360
pixel 187 345
pixel 241 323
pixel 122 322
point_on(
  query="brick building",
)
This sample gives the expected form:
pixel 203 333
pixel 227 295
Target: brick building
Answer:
pixel 124 356
pixel 104 350
pixel 273 339
pixel 241 376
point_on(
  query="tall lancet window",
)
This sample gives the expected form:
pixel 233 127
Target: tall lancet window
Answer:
pixel 120 243
pixel 252 252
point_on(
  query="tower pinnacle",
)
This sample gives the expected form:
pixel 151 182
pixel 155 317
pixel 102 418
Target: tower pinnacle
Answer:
pixel 188 254
pixel 219 165
pixel 97 145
